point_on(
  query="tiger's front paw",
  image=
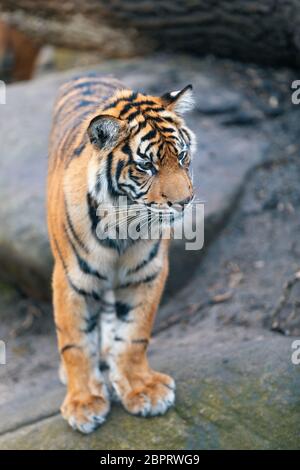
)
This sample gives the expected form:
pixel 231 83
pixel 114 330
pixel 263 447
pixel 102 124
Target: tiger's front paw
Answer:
pixel 148 394
pixel 85 412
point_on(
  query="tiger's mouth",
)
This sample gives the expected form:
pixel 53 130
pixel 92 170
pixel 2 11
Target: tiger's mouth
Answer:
pixel 138 220
pixel 165 216
pixel 143 215
pixel 166 211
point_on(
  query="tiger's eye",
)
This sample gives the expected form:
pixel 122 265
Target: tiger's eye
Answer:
pixel 182 156
pixel 146 166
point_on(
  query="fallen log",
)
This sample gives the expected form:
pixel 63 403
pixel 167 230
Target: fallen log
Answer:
pixel 266 32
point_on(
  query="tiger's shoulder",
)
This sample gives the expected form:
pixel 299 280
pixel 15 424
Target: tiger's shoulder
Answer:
pixel 78 99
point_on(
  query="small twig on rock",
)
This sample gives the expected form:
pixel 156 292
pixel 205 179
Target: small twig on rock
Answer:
pixel 32 312
pixel 219 298
pixel 182 315
pixel 188 311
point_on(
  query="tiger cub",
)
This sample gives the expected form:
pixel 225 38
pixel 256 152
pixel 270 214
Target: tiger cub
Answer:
pixel 108 144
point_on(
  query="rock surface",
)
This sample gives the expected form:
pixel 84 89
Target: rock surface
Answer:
pixel 234 396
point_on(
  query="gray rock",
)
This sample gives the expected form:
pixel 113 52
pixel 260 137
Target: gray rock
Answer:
pixel 231 395
pixel 29 385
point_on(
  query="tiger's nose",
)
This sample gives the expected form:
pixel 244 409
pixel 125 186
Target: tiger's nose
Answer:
pixel 185 201
pixel 179 205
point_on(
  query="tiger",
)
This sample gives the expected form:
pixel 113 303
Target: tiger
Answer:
pixel 108 142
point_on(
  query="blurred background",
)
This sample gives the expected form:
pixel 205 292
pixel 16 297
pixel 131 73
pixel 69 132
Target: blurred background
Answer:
pixel 230 311
pixel 36 36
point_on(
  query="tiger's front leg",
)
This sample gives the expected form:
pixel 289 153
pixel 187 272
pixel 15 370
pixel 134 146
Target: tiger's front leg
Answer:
pixel 141 390
pixel 86 403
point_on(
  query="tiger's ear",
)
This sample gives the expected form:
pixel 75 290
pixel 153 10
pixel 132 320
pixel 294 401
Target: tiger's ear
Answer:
pixel 179 101
pixel 105 131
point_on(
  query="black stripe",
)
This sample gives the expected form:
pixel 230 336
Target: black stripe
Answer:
pixel 146 280
pixel 98 184
pixel 127 99
pixel 118 245
pixel 127 150
pixel 92 78
pixel 83 292
pixel 103 366
pixel 92 210
pixel 60 256
pixel 84 103
pixel 151 144
pixel 69 346
pixel 126 108
pixel 167 129
pixel 74 106
pixel 83 264
pixel 137 104
pixel 150 135
pixel 92 83
pixel 133 115
pixel 111 187
pixel 117 338
pixel 122 310
pixel 79 149
pixel 66 149
pixel 128 186
pixel 73 232
pixel 78 290
pixel 157 119
pixel 146 102
pixel 184 131
pixel 135 178
pixel 168 118
pixel 140 341
pixel 66 142
pixel 91 323
pixel 141 126
pixel 157 110
pixel 119 169
pixel 159 150
pixel 151 256
pixel 77 152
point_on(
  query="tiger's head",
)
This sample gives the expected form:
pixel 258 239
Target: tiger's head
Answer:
pixel 142 149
